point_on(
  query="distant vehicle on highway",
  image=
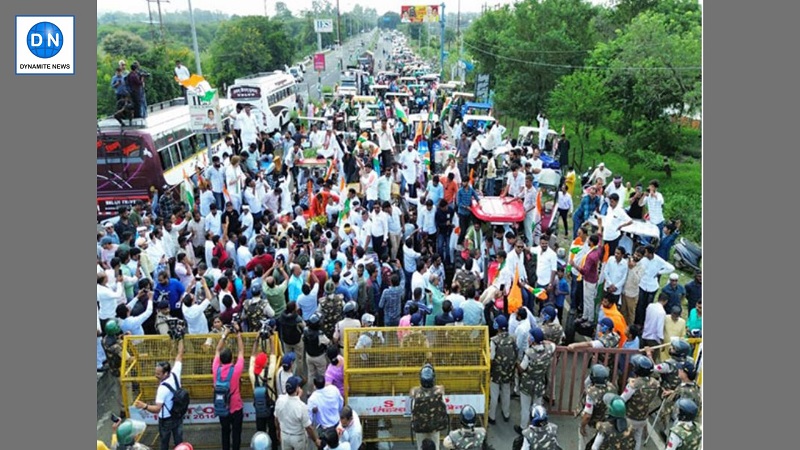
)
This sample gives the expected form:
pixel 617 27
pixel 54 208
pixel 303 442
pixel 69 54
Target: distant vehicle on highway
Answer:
pixel 297 73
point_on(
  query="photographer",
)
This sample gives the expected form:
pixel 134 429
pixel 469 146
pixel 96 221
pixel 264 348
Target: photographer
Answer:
pixel 260 370
pixel 169 376
pixel 221 368
pixel 135 80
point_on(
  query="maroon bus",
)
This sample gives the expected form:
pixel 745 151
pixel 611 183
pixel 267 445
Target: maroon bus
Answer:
pixel 153 152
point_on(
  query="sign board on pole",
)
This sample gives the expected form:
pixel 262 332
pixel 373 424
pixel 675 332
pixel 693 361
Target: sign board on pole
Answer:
pixel 419 14
pixel 204 116
pixel 319 61
pixel 323 25
pixel 482 86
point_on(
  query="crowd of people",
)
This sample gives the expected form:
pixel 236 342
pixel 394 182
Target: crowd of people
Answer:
pixel 384 237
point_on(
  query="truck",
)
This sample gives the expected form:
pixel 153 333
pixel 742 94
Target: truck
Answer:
pixel 367 62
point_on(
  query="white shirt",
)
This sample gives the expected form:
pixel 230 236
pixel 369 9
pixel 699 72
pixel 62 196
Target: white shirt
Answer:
pixel 516 185
pixel 393 220
pixel 385 139
pixel 408 165
pixel 417 281
pixel 246 220
pixel 379 224
pixel 513 262
pixel 536 164
pixel 655 208
pixel 109 299
pixel 182 73
pixel 370 183
pixel 474 152
pixel 521 331
pixel 163 394
pixel 426 220
pixel 564 201
pixel 654 317
pixel 614 274
pixel 600 172
pixel 209 252
pixel 243 255
pixel 353 434
pixel 546 265
pixel 611 222
pixel 206 199
pixel 214 223
pixel 652 269
pixel 253 200
pixel 196 322
pixel 528 199
pixel 233 178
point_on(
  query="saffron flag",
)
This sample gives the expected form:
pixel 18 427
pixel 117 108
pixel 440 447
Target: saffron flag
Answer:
pixel 515 294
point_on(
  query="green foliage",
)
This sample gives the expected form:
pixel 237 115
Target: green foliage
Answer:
pixel 248 45
pixel 581 97
pixel 389 21
pixel 529 47
pixel 121 42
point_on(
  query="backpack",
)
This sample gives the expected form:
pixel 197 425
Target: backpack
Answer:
pixel 222 393
pixel 262 401
pixel 180 399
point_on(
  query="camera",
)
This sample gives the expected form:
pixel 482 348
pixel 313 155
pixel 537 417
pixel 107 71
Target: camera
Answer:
pixel 177 328
pixel 267 329
pixel 237 319
pixel 143 74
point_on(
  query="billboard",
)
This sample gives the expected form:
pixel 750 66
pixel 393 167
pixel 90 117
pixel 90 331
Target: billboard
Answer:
pixel 319 61
pixel 419 14
pixel 204 116
pixel 323 26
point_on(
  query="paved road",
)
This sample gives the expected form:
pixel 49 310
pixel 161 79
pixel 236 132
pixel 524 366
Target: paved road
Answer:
pixel 311 86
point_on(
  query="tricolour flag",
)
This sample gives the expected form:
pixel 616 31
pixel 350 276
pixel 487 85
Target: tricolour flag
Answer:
pixel 399 112
pixel 187 191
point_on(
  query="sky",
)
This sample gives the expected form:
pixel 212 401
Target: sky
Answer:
pixel 256 7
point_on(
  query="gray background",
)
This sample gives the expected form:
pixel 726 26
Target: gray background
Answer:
pixel 750 95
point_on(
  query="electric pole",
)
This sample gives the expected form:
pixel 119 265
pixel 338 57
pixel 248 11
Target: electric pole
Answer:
pixel 194 40
pixel 338 23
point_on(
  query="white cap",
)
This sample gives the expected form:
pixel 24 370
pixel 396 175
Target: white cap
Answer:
pixel 673 276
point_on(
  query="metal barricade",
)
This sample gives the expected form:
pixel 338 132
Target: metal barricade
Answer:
pixel 142 353
pixel 383 364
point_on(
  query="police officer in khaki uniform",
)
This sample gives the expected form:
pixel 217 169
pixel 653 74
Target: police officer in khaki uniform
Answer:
pixel 614 432
pixel 594 408
pixel 503 351
pixel 640 392
pixel 534 370
pixel 428 409
pixel 540 435
pixel 468 437
pixel 687 434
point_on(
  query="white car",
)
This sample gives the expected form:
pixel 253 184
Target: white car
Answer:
pixel 297 73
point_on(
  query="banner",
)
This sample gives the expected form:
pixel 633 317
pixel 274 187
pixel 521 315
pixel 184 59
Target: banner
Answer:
pixel 319 61
pixel 401 405
pixel 204 115
pixel 197 413
pixel 419 14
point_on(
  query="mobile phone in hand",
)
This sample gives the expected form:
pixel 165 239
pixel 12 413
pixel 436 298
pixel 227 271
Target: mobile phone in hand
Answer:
pixel 115 418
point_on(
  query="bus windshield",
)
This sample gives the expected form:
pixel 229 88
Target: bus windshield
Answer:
pixel 126 149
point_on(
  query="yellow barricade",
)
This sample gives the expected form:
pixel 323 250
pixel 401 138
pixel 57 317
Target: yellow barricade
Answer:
pixel 383 364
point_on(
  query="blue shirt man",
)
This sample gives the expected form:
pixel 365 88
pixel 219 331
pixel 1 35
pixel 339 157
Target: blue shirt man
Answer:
pixel 435 190
pixel 118 84
pixel 169 289
pixel 675 291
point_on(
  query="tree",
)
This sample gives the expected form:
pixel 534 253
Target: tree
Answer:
pixel 528 47
pixel 121 42
pixel 581 98
pixel 654 68
pixel 249 45
pixel 282 11
pixel 389 21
